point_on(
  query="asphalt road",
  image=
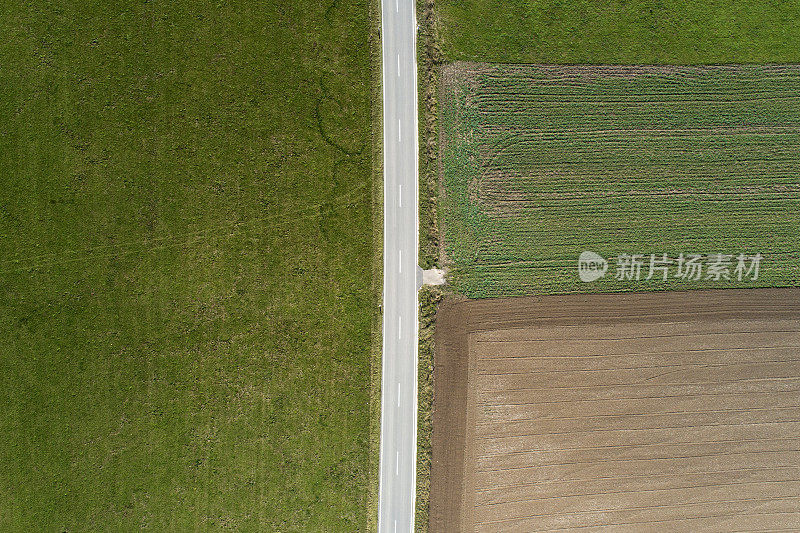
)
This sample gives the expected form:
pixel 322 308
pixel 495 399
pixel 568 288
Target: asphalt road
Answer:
pixel 399 379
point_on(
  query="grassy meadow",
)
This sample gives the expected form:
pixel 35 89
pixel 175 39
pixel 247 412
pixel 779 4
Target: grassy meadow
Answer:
pixel 186 298
pixel 621 31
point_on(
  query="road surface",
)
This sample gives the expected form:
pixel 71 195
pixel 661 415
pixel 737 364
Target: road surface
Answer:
pixel 400 230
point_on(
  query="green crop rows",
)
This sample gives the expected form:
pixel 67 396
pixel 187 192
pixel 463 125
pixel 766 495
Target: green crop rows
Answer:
pixel 542 163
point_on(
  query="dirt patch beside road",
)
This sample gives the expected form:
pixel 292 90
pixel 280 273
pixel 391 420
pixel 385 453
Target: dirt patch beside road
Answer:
pixel 642 412
pixel 451 373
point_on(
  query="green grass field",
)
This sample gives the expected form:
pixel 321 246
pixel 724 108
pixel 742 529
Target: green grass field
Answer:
pixel 542 163
pixel 621 31
pixel 186 228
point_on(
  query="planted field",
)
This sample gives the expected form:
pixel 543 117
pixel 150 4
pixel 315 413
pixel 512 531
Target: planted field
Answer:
pixel 626 412
pixel 543 163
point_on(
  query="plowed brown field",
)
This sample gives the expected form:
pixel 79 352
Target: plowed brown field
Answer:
pixel 626 412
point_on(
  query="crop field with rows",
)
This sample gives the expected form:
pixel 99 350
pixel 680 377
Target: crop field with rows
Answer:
pixel 542 163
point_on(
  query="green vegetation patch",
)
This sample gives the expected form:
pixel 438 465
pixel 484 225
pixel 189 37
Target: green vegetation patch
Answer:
pixel 543 163
pixel 429 298
pixel 621 31
pixel 187 239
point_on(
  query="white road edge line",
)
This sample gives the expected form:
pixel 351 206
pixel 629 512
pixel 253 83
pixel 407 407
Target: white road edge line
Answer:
pixel 400 261
pixel 399 196
pixel 398 394
pixel 381 466
pixel 398 65
pixel 399 326
pixel 416 262
pixel 399 131
pixel 397 463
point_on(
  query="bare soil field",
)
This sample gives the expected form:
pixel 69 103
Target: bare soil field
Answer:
pixel 675 411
